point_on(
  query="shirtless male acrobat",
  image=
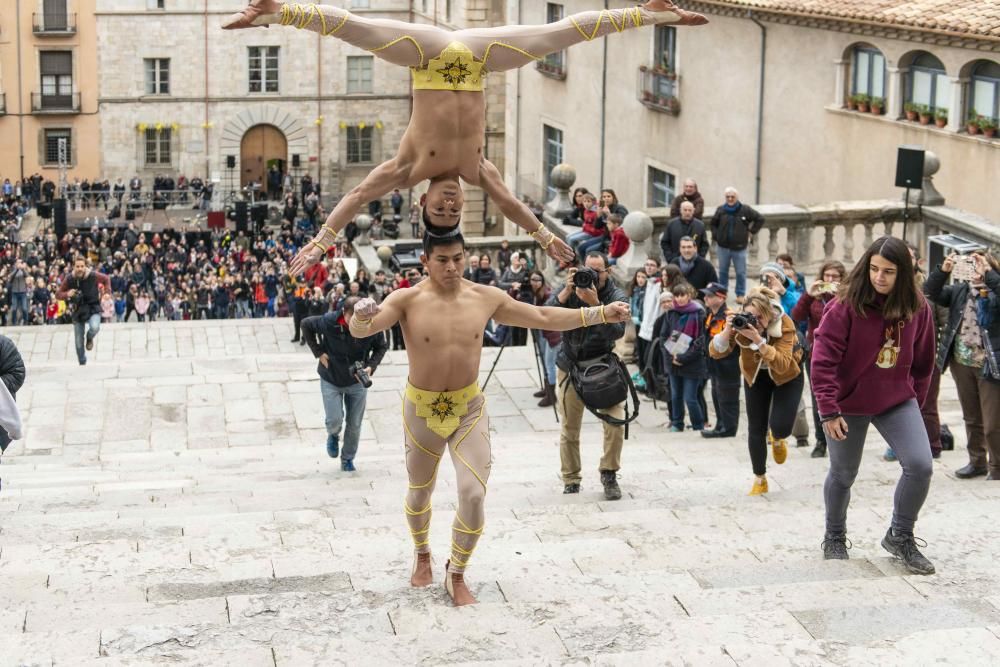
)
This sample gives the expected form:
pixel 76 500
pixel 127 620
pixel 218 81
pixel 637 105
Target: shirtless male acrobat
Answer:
pixel 443 319
pixel 444 140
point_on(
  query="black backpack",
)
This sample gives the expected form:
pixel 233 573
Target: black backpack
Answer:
pixel 603 383
pixel 657 383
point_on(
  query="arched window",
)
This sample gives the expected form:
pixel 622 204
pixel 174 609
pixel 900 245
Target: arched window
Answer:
pixel 984 90
pixel 868 72
pixel 928 84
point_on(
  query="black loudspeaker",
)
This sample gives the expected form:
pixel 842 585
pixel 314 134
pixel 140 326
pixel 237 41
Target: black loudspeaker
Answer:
pixel 259 213
pixel 44 211
pixel 296 160
pixel 242 217
pixel 59 216
pixel 230 162
pixel 910 167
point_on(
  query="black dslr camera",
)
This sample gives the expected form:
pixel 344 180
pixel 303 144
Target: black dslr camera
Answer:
pixel 358 371
pixel 585 278
pixel 744 321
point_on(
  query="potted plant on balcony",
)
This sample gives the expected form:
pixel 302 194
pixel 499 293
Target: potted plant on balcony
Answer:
pixel 863 101
pixel 876 105
pixel 647 96
pixel 911 109
pixel 941 117
pixel 925 114
pixel 972 124
pixel 988 126
pixel 673 105
pixel 852 103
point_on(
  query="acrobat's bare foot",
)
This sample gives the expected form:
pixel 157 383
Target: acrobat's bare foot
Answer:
pixel 454 583
pixel 421 575
pixel 257 13
pixel 673 14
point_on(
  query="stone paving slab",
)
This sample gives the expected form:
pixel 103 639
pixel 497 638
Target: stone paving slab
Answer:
pixel 180 481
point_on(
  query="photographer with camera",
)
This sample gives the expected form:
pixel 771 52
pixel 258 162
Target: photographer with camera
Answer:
pixel 587 286
pixel 769 361
pixel 346 365
pixel 969 346
pixel 81 289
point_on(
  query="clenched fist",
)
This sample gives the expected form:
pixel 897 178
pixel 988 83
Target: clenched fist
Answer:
pixel 366 309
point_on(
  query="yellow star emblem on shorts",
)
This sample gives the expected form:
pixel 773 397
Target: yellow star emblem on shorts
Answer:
pixel 442 407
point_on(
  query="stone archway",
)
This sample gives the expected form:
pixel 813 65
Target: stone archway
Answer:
pixel 287 124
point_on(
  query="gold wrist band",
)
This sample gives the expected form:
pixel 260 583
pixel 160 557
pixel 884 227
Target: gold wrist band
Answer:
pixel 319 245
pixel 591 315
pixel 539 235
pixel 362 322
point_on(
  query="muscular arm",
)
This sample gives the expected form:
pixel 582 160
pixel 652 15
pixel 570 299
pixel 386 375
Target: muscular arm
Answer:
pixel 551 318
pixel 380 181
pixel 512 207
pixel 390 311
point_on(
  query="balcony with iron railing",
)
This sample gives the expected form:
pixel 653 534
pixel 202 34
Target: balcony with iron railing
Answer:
pixel 42 103
pixel 659 89
pixel 61 24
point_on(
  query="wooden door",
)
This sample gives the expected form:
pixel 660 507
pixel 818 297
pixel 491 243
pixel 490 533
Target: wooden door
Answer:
pixel 261 144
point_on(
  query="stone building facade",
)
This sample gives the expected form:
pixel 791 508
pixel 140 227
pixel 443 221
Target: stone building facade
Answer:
pixel 48 88
pixel 696 102
pixel 179 95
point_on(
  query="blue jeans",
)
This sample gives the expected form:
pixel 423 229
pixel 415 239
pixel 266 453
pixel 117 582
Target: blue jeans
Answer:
pixel 18 304
pixel 337 400
pixel 593 243
pixel 549 354
pixel 80 328
pixel 684 391
pixel 576 238
pixel 739 259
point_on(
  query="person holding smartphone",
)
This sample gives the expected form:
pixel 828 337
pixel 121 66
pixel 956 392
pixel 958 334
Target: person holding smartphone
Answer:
pixel 809 309
pixel 872 360
pixel 968 347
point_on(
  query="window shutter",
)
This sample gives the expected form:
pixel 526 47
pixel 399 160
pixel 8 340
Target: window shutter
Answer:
pixel 56 62
pixel 41 146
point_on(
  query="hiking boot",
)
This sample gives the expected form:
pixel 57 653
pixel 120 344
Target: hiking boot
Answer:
pixel 904 547
pixel 540 392
pixel 549 398
pixel 611 489
pixel 347 465
pixel 759 487
pixel 835 547
pixel 571 488
pixel 778 448
pixel 820 450
pixel 333 446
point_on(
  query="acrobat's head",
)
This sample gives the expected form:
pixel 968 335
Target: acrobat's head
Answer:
pixel 443 203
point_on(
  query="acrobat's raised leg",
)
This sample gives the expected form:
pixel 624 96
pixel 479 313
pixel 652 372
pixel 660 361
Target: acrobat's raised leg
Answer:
pixel 510 47
pixel 398 42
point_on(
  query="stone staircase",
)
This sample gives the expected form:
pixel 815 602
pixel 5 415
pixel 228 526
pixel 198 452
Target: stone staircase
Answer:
pixel 172 503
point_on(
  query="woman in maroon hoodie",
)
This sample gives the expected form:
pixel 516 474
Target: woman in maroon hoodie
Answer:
pixel 810 309
pixel 872 359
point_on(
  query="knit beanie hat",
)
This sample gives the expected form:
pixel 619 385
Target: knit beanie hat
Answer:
pixel 776 269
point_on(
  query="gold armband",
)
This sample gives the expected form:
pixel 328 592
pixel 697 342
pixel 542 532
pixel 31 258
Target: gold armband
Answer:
pixel 591 315
pixel 319 245
pixel 362 322
pixel 544 237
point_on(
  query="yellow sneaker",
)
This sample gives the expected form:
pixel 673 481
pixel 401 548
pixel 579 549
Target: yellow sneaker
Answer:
pixel 759 486
pixel 778 448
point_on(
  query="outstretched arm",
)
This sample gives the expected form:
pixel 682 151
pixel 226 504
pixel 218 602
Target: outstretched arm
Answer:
pixel 515 210
pixel 377 183
pixel 518 314
pixel 371 318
